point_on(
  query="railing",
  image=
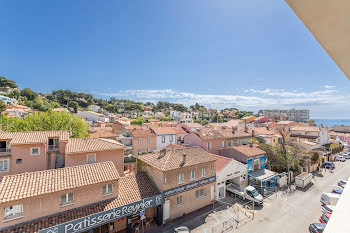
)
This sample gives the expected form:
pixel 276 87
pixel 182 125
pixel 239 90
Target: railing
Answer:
pixel 3 150
pixel 53 147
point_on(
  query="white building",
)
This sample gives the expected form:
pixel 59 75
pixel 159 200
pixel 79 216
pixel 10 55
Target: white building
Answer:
pixel 231 171
pixel 92 116
pixel 165 137
pixel 174 114
pixel 185 117
pixel 94 108
pixel 8 101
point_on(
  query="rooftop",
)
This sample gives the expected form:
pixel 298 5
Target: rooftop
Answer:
pixel 78 145
pixel 32 137
pixel 220 162
pixel 249 151
pixel 306 128
pixel 103 133
pixel 142 133
pixel 163 130
pixel 131 189
pixel 31 184
pixel 173 158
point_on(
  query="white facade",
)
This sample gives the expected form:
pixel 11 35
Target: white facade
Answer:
pixel 94 108
pixel 174 114
pixel 185 117
pixel 234 172
pixel 92 116
pixel 8 100
pixel 165 139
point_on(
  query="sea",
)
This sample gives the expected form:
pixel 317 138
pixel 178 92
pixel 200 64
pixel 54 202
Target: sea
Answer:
pixel 332 122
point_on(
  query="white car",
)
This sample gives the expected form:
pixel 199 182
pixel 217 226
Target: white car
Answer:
pixel 181 229
pixel 346 156
pixel 340 158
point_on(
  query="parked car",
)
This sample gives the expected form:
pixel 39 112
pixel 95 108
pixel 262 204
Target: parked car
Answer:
pixel 341 158
pixel 346 156
pixel 181 229
pixel 325 218
pixel 328 165
pixel 342 183
pixel 329 198
pixel 337 190
pixel 317 227
pixel 326 209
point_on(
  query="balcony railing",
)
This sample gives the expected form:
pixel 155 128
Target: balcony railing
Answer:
pixel 53 147
pixel 5 150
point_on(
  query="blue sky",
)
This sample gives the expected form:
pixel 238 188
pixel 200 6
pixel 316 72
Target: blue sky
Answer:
pixel 249 54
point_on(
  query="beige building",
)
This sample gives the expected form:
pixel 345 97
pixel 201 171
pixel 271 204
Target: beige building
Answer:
pixel 143 140
pixel 186 176
pixel 85 198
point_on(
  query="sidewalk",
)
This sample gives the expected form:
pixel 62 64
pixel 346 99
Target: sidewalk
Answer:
pixel 190 220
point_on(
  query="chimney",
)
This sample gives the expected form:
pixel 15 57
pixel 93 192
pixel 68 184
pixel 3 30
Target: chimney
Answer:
pixel 251 145
pixel 162 153
pixel 184 158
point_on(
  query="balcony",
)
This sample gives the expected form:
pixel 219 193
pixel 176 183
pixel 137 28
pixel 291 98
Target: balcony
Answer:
pixel 5 151
pixel 52 147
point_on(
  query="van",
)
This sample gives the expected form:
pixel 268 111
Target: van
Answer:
pixel 329 198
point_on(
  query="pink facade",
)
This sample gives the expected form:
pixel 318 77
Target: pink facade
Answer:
pixel 116 156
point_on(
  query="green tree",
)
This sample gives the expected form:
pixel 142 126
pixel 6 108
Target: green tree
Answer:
pixel 315 157
pixel 216 118
pixel 138 121
pixel 74 105
pixel 2 106
pixel 6 83
pixel 46 121
pixel 31 95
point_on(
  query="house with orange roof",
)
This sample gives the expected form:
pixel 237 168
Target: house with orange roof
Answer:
pixel 165 136
pixel 144 140
pixel 84 198
pixel 186 177
pixel 80 151
pixel 228 171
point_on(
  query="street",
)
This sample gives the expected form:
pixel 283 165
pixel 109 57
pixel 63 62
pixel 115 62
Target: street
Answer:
pixel 293 213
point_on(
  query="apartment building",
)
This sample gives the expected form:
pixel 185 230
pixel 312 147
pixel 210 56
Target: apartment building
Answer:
pixel 41 150
pixel 85 198
pixel 80 151
pixel 302 115
pixel 186 176
pixel 31 151
pixel 144 141
pixel 317 135
pixel 215 139
pixel 165 136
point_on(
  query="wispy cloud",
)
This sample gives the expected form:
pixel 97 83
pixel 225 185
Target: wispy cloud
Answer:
pixel 319 101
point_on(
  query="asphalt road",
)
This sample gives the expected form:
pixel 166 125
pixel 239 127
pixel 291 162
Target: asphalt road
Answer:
pixel 294 212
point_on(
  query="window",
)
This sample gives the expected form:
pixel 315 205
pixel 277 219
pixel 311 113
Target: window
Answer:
pixel 149 140
pixel 208 145
pixel 164 179
pixel 107 189
pixel 171 138
pixel 18 161
pixel 223 144
pixel 13 212
pixel 180 201
pixel 203 172
pixel 180 178
pixel 229 144
pixel 163 139
pixel 200 193
pixel 67 199
pixel 192 175
pixel 212 168
pixel 140 141
pixel 35 151
pixel 149 150
pixel 91 158
pixel 4 165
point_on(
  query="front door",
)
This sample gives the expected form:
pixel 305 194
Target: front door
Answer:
pixel 166 210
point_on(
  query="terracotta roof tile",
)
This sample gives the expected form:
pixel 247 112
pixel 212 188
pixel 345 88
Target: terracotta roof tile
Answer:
pixel 173 158
pixel 30 184
pixel 306 128
pixel 221 162
pixel 131 189
pixel 142 133
pixel 249 151
pixel 103 134
pixel 77 145
pixel 163 130
pixel 32 137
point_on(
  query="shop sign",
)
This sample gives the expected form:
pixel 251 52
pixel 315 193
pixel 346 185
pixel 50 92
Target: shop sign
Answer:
pixel 193 185
pixel 101 218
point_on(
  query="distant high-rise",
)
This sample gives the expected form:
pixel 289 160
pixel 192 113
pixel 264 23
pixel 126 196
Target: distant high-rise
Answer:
pixel 302 115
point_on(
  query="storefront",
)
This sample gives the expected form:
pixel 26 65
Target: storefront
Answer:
pixel 133 215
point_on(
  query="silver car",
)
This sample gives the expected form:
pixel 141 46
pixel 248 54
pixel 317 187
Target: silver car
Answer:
pixel 181 229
